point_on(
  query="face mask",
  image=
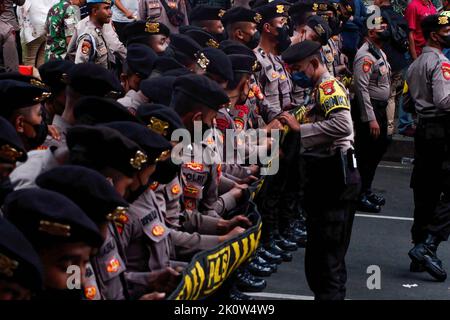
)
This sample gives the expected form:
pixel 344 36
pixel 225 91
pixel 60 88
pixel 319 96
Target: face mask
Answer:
pixel 302 80
pixel 5 189
pixel 133 195
pixel 445 41
pixel 60 294
pixel 165 172
pixel 254 41
pixel 384 36
pixel 219 36
pixel 284 41
pixel 335 25
pixel 41 133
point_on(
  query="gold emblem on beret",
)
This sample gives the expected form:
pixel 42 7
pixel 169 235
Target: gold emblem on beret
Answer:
pixel 212 43
pixel 203 61
pixel 323 7
pixel 158 126
pixel 7 265
pixel 139 159
pixel 378 20
pixel 257 18
pixel 9 153
pixel 443 20
pixel 315 6
pixel 152 27
pixel 349 8
pixel 221 13
pixel 163 156
pixel 116 214
pixel 319 29
pixel 42 97
pixel 54 228
pixel 37 83
pixel 280 8
pixel 107 1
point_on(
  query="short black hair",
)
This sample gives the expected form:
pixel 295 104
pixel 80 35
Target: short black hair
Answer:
pixel 428 26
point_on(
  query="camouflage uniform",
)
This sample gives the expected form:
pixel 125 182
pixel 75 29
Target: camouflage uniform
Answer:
pixel 61 23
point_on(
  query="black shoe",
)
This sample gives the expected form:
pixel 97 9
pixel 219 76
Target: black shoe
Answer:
pixel 269 257
pixel 375 198
pixel 424 254
pixel 259 260
pixel 248 283
pixel 416 267
pixel 274 249
pixel 236 295
pixel 285 244
pixel 295 235
pixel 258 270
pixel 365 205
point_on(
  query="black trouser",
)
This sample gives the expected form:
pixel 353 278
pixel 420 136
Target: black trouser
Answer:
pixel 370 151
pixel 330 205
pixel 430 179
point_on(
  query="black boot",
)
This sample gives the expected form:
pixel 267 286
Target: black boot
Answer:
pixel 424 253
pixel 272 247
pixel 236 295
pixel 248 283
pixel 296 235
pixel 259 270
pixel 268 256
pixel 259 260
pixel 285 244
pixel 375 198
pixel 365 205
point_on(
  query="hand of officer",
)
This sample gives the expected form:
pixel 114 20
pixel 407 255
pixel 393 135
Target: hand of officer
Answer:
pixel 54 133
pixel 274 125
pixel 248 180
pixel 232 234
pixel 165 280
pixel 130 15
pixel 153 296
pixel 289 120
pixel 254 169
pixel 374 129
pixel 240 221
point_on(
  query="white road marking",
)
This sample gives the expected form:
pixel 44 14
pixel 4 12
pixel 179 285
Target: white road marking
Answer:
pixel 394 167
pixel 383 217
pixel 279 296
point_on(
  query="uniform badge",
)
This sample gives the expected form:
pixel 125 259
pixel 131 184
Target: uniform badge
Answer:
pixel 113 265
pixel 221 13
pixel 194 166
pixel 222 124
pixel 212 43
pixel 158 126
pixel 315 6
pixel 283 77
pixel 189 204
pixel 219 170
pixel 280 8
pixel 152 27
pixel 191 191
pixel 9 153
pixel 275 75
pixel 139 159
pixel 446 70
pixel 154 185
pixel 120 222
pixel 86 47
pixel 7 265
pixel 239 123
pixel 327 87
pixel 257 18
pixel 90 292
pixel 175 189
pixel 158 230
pixel 367 65
pixel 203 61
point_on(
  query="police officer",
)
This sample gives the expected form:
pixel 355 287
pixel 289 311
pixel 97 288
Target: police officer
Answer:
pixel 430 174
pixel 241 25
pixel 60 232
pixel 172 13
pixel 372 87
pixel 158 89
pixel 153 34
pixel 327 140
pixel 21 269
pixel 91 45
pixel 209 19
pixel 11 151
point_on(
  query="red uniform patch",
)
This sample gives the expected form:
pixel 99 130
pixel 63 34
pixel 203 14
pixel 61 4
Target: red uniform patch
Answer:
pixel 328 87
pixel 367 65
pixel 85 47
pixel 446 70
pixel 222 124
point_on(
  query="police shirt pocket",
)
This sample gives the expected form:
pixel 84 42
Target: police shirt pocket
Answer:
pixel 154 10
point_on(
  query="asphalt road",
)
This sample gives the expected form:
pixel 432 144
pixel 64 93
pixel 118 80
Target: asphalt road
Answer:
pixel 381 239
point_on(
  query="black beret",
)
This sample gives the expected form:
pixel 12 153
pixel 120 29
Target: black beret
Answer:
pixel 20 262
pixel 300 51
pixel 235 47
pixel 203 90
pixel 54 74
pixel 321 27
pixel 219 63
pixel 160 118
pixel 184 44
pixel 99 147
pixel 259 3
pixel 154 145
pixel 203 38
pixel 244 64
pixel 435 22
pixel 158 89
pixel 23 78
pixel 16 95
pixel 92 110
pixel 188 27
pixel 165 63
pixel 11 147
pixel 46 217
pixel 141 31
pixel 176 72
pixel 241 14
pixel 88 189
pixel 272 10
pixel 140 59
pixel 206 12
pixel 90 79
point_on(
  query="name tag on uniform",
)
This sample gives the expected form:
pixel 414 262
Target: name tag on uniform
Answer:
pixel 153 5
pixel 383 68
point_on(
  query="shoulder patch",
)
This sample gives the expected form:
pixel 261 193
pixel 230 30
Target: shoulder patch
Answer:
pixel 222 124
pixel 367 65
pixel 332 97
pixel 327 87
pixel 446 70
pixel 86 47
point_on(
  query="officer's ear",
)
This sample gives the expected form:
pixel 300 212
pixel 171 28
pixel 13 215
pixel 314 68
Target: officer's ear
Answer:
pixel 19 121
pixel 266 27
pixel 315 63
pixel 198 116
